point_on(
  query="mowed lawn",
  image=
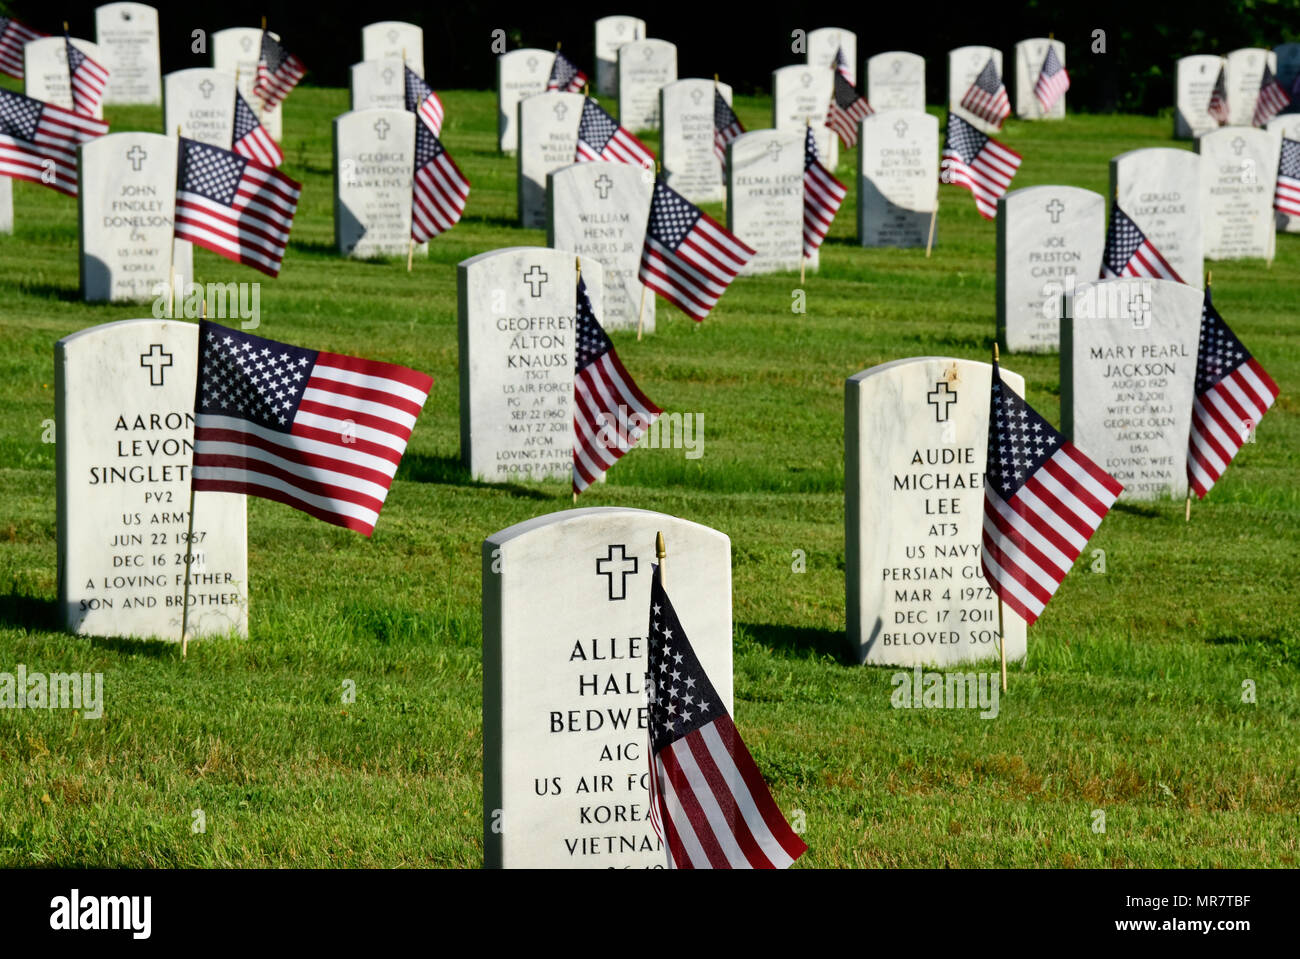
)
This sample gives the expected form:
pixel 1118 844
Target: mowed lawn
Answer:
pixel 1130 701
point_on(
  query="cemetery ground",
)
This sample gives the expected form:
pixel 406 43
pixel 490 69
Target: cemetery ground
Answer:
pixel 1130 703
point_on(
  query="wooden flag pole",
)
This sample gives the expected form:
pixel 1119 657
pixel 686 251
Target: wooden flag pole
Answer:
pixel 716 93
pixel 1002 640
pixel 1187 507
pixel 661 553
pixel 577 260
pixel 189 536
pixel 410 240
pixel 640 315
pixel 934 215
pixel 171 254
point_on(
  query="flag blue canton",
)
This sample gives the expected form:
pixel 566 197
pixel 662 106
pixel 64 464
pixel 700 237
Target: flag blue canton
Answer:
pixel 1220 352
pixel 563 71
pixel 250 377
pixel 210 171
pixel 723 115
pixel 427 146
pixel 672 216
pixel 1020 440
pixel 1289 164
pixel 988 80
pixel 1051 65
pixel 593 343
pixel 273 53
pixel 810 154
pixel 845 95
pixel 597 127
pixel 963 139
pixel 245 121
pixel 1122 240
pixel 75 57
pixel 19 115
pixel 681 698
pixel 416 89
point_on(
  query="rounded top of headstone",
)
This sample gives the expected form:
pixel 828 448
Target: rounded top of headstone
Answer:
pixel 1028 193
pixel 895 55
pixel 523 53
pixel 115 141
pixel 381 24
pixel 104 330
pixel 1192 59
pixel 657 46
pixel 975 48
pixel 1157 154
pixel 568 517
pixel 921 362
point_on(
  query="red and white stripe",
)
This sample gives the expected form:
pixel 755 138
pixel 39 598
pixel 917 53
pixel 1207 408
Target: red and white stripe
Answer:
pixel 1146 261
pixel 987 176
pixel 991 107
pixel 623 147
pixel 338 461
pixel 13 35
pixel 89 81
pixel 257 145
pixel 1049 89
pixel 50 158
pixel 844 121
pixel 601 392
pixel 432 112
pixel 273 87
pixel 822 196
pixel 717 811
pixel 1271 101
pixel 255 230
pixel 1287 198
pixel 1222 420
pixel 1031 542
pixel 694 277
pixel 439 192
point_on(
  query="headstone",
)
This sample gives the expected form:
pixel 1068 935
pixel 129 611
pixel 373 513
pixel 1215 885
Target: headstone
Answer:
pixel 898 177
pixel 1245 71
pixel 374 157
pixel 896 81
pixel 612 33
pixel 565 771
pixel 126 202
pixel 1238 178
pixel 1194 84
pixel 127 35
pixel 1128 368
pixel 1049 238
pixel 520 74
pixel 6 205
pixel 686 139
pixel 124 402
pixel 644 67
pixel 599 210
pixel 45 70
pixel 377 85
pixel 236 51
pixel 1030 55
pixel 394 40
pixel 825 41
pixel 765 199
pixel 1160 189
pixel 548 140
pixel 964 65
pixel 1288 68
pixel 516 321
pixel 201 103
pixel 1287 125
pixel 801 94
pixel 915 442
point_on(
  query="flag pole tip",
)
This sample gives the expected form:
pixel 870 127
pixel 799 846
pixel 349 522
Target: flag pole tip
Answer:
pixel 660 550
pixel 996 357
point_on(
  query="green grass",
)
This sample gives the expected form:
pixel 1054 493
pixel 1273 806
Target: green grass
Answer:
pixel 1130 700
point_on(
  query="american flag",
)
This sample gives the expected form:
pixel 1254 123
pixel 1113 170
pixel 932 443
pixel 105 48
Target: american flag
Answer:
pixel 1052 81
pixel 1130 253
pixel 708 800
pixel 688 257
pixel 1232 393
pixel 250 138
pixel 423 102
pixel 38 141
pixel 234 206
pixel 978 163
pixel 318 431
pixel 1287 197
pixel 278 72
pixel 842 65
pixel 439 190
pixel 12 37
pixel 822 196
pixel 1043 499
pixel 601 138
pixel 987 97
pixel 1271 101
pixel 1218 107
pixel 565 75
pixel 88 80
pixel 726 126
pixel 610 413
pixel 845 110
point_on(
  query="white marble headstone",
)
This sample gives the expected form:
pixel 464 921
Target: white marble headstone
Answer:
pixel 45 70
pixel 915 444
pixel 394 40
pixel 612 33
pixel 1128 371
pixel 1030 55
pixel 201 102
pixel 896 81
pixel 1287 125
pixel 1160 189
pixel 377 85
pixel 599 210
pixel 374 156
pixel 1245 71
pixel 1049 238
pixel 548 140
pixel 801 94
pixel 520 74
pixel 1238 178
pixel 236 51
pixel 964 65
pixel 124 402
pixel 1194 83
pixel 898 177
pixel 765 199
pixel 824 41
pixel 127 35
pixel 126 202
pixel 516 333
pixel 6 205
pixel 686 139
pixel 644 67
pixel 565 771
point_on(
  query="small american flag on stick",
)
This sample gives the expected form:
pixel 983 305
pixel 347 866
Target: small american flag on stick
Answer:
pixel 88 79
pixel 1286 199
pixel 250 138
pixel 1232 394
pixel 13 35
pixel 845 111
pixel 1271 101
pixel 234 206
pixel 726 125
pixel 278 72
pixel 688 257
pixel 709 802
pixel 38 141
pixel 822 197
pixel 987 97
pixel 1043 500
pixel 1218 107
pixel 1130 253
pixel 842 65
pixel 1052 80
pixel 423 102
pixel 565 75
pixel 978 163
pixel 439 191
pixel 319 431
pixel 600 137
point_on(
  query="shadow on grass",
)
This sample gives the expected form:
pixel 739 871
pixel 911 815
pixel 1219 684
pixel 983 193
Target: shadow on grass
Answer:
pixel 68 294
pixel 155 648
pixel 29 612
pixel 508 222
pixel 450 471
pixel 1137 509
pixel 802 641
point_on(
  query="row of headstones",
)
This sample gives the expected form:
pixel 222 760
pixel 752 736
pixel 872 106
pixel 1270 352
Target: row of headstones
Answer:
pixel 1242 71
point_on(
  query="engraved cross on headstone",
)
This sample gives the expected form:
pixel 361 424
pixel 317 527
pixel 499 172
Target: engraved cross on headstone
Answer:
pixel 246 43
pixel 622 567
pixel 205 88
pixel 381 128
pixel 561 109
pixel 156 360
pixel 774 151
pixel 536 279
pixel 1139 309
pixel 901 128
pixel 603 185
pixel 696 96
pixel 388 75
pixel 941 398
pixel 1238 144
pixel 1055 209
pixel 805 79
pixel 137 157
